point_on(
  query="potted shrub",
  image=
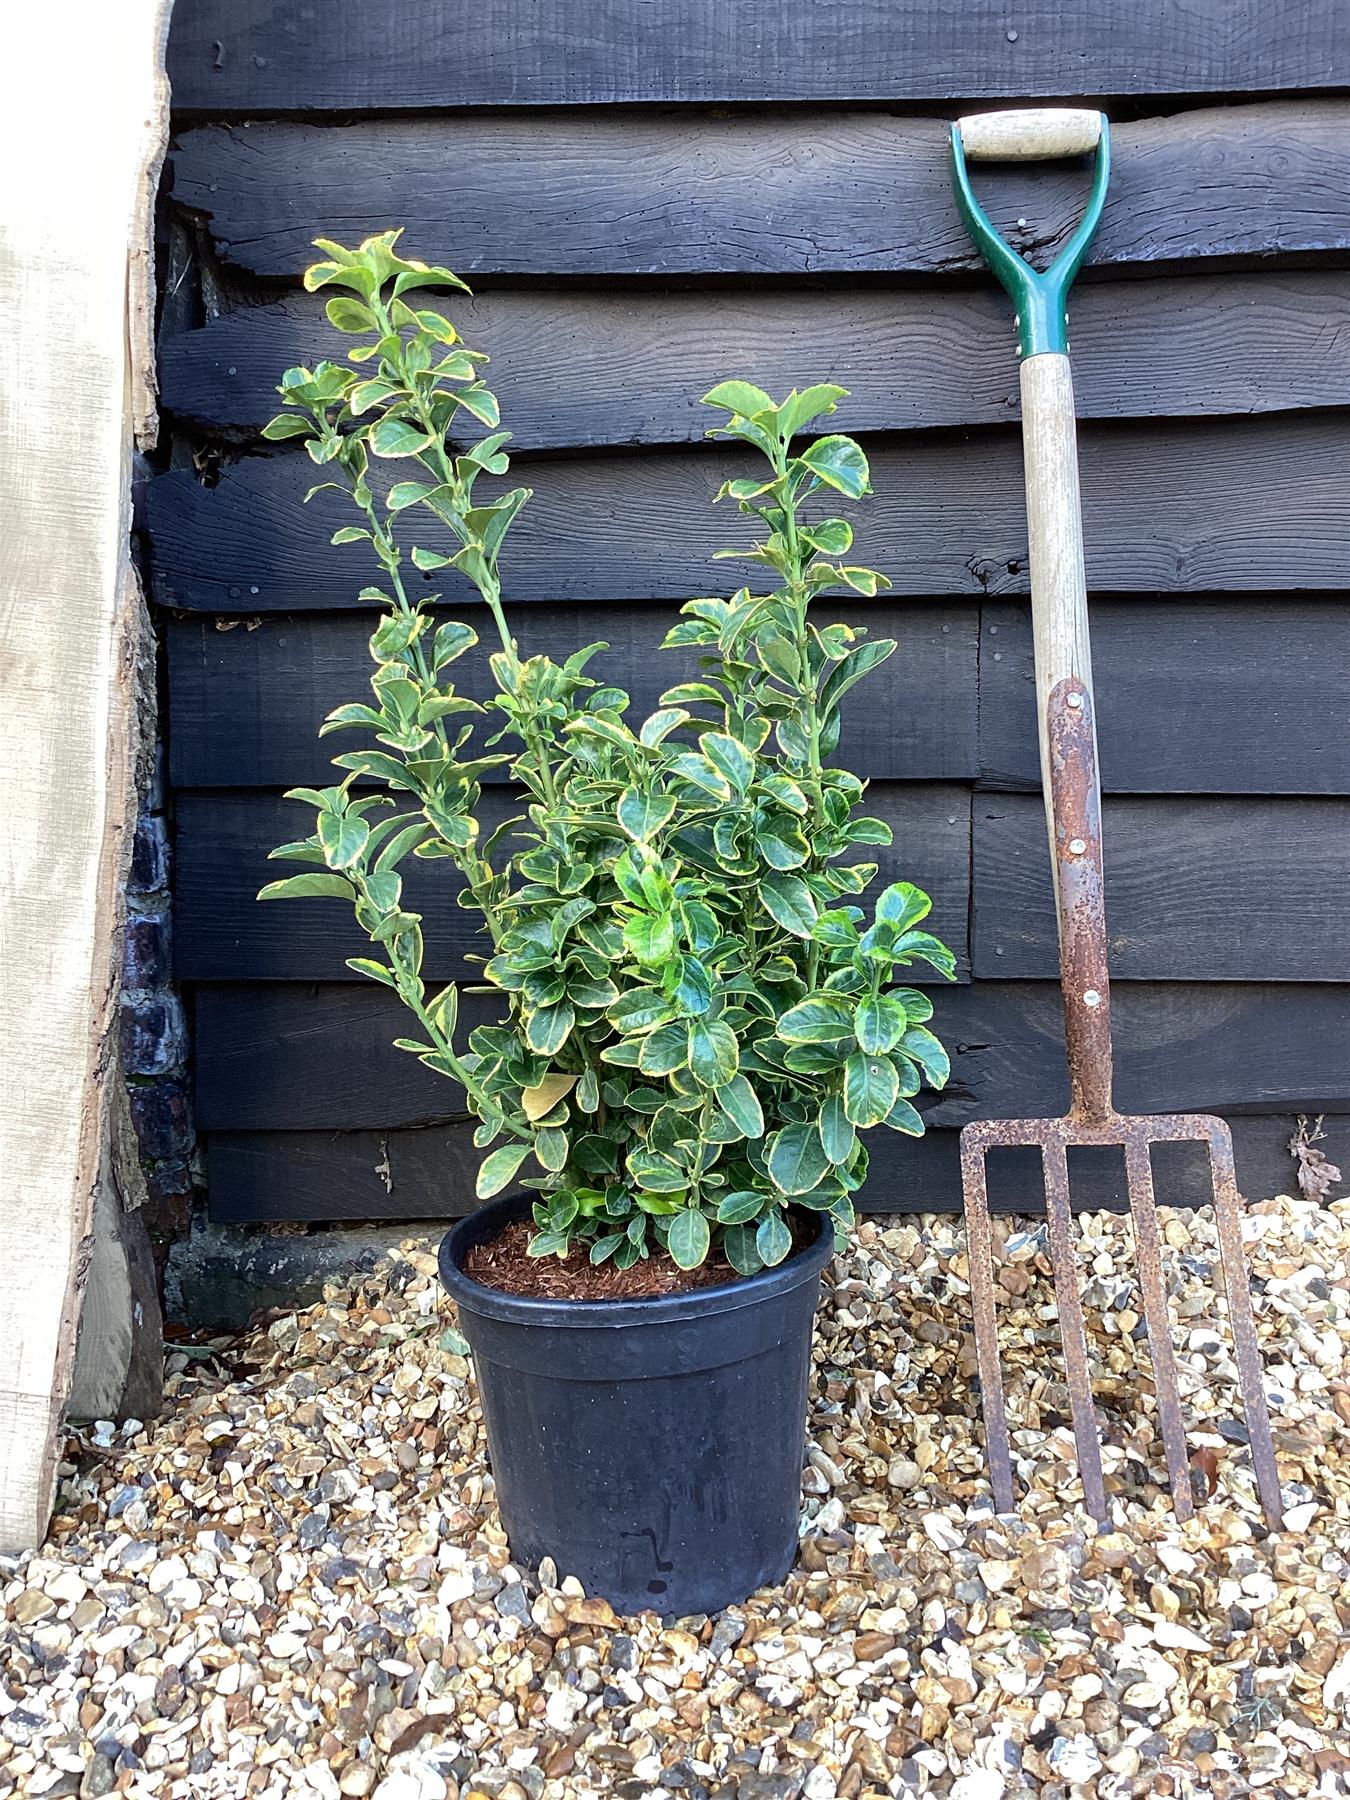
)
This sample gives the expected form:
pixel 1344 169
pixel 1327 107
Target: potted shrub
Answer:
pixel 699 1021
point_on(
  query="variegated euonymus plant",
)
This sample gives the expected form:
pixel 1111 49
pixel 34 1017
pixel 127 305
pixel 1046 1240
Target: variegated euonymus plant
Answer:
pixel 699 1021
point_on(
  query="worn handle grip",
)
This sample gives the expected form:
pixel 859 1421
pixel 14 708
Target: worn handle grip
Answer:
pixel 1030 134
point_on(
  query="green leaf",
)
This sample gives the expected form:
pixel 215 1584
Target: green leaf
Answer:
pixel 729 758
pixel 820 1020
pixel 429 559
pixel 902 905
pixel 738 1207
pixel 349 315
pixel 548 1243
pixel 863 581
pixel 287 425
pixel 922 1047
pixel 738 1245
pixel 839 463
pixel 550 1149
pixel 738 397
pixel 797 1161
pixel 451 641
pixel 798 410
pixel 773 1240
pixel 860 661
pixel 781 845
pixel 663 1050
pixel 701 773
pixel 832 537
pixel 836 1131
pixel 688 1238
pixel 639 1010
pixel 871 1087
pixel 713 1054
pixel 656 1174
pixel 548 1028
pixel 305 887
pixel 650 938
pixel 397 437
pixel 642 815
pixel 789 902
pixel 495 1171
pixel 693 992
pixel 924 944
pixel 407 493
pixel 376 971
pixel 879 1024
pixel 661 724
pixel 740 1103
pixel 343 836
pixel 902 1117
pixel 918 1006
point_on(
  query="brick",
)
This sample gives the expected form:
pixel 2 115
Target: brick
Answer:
pixel 153 1034
pixel 162 1115
pixel 169 1185
pixel 147 950
pixel 150 855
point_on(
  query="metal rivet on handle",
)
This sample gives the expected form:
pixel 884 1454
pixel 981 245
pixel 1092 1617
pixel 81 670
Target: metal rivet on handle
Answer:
pixel 1092 998
pixel 1076 846
pixel 1073 699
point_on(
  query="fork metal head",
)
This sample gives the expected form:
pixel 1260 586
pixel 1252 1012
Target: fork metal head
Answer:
pixel 1134 1135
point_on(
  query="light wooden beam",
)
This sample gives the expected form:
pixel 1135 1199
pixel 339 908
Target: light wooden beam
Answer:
pixel 81 138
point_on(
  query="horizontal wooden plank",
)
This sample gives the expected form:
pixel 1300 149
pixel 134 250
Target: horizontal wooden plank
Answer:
pixel 298 1057
pixel 1196 889
pixel 595 369
pixel 763 193
pixel 223 934
pixel 245 706
pixel 258 56
pixel 1250 697
pixel 353 1177
pixel 1251 506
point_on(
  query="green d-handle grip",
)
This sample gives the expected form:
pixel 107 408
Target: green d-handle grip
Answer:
pixel 1023 136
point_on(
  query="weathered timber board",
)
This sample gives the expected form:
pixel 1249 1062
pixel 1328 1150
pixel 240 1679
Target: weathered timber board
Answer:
pixel 249 56
pixel 1250 697
pixel 661 194
pixel 596 369
pixel 245 706
pixel 223 934
pixel 1196 889
pixel 355 1176
pixel 1252 506
pixel 292 1057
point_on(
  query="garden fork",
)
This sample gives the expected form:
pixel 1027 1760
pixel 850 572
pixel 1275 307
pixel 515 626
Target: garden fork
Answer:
pixel 1073 814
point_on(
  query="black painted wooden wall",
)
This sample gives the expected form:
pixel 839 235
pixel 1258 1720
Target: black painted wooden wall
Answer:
pixel 647 200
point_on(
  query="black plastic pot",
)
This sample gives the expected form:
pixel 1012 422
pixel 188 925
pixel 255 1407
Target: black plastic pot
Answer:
pixel 652 1448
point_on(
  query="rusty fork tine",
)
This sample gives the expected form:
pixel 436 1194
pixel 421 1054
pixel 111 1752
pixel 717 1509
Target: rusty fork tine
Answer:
pixel 1227 1214
pixel 980 1257
pixel 1064 1264
pixel 1147 1240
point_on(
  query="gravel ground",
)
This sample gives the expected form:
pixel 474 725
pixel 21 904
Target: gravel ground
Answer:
pixel 295 1583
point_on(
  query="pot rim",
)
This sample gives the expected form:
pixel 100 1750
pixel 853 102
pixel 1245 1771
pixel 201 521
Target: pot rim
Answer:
pixel 651 1309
